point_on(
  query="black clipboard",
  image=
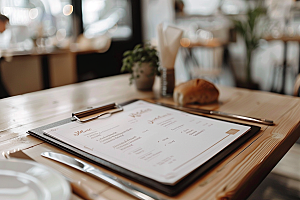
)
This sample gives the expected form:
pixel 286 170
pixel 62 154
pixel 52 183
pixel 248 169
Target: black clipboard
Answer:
pixel 170 190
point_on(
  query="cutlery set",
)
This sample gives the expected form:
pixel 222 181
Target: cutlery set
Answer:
pixel 78 187
pixel 83 190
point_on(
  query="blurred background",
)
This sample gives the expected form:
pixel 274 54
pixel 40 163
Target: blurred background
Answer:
pixel 52 43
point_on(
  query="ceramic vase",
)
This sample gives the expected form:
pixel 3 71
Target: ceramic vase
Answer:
pixel 144 76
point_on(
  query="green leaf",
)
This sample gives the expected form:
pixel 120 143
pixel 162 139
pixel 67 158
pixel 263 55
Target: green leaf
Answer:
pixel 127 53
pixel 140 54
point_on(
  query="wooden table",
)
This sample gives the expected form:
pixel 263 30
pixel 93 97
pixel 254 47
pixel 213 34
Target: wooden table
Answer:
pixel 235 177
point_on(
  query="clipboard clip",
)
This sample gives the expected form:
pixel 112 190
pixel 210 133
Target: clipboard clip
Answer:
pixel 93 113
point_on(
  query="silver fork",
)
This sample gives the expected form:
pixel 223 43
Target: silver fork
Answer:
pixel 7 153
pixel 78 187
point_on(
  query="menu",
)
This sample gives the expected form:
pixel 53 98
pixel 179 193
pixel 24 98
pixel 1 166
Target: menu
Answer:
pixel 157 142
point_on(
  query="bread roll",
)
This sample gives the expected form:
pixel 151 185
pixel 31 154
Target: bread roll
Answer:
pixel 196 90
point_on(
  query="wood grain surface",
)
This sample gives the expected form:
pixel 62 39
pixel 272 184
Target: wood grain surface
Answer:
pixel 233 178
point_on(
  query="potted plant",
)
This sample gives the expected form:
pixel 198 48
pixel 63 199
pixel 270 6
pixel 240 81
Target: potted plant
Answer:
pixel 248 28
pixel 142 62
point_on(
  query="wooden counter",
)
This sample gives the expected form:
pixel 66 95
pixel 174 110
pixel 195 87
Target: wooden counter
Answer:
pixel 37 69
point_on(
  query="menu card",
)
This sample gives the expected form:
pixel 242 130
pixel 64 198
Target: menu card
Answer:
pixel 157 142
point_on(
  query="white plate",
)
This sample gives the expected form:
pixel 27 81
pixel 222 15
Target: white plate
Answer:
pixel 23 179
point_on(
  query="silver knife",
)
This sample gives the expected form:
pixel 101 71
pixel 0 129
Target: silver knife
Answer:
pixel 89 169
pixel 219 113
